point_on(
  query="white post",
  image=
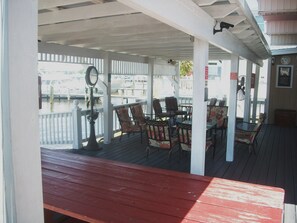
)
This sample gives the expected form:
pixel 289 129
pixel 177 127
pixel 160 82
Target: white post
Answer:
pixel 268 89
pixel 199 107
pixel 77 131
pixel 177 80
pixel 232 107
pixel 19 113
pixel 247 98
pixel 256 87
pixel 150 87
pixel 107 106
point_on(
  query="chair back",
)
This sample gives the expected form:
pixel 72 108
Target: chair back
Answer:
pixel 137 114
pixel 158 134
pixel 157 106
pixel 124 118
pixel 218 113
pixel 212 101
pixel 184 133
pixel 222 103
pixel 262 117
pixel 171 104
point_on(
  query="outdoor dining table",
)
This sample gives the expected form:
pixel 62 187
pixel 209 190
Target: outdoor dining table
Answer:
pixel 97 190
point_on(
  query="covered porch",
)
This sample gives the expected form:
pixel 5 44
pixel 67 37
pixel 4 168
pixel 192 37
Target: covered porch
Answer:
pixel 76 25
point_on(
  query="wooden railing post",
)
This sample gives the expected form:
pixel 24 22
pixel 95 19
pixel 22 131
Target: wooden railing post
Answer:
pixel 77 130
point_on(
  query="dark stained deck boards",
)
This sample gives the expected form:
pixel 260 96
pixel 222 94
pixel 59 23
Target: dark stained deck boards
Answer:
pixel 275 163
pixel 96 190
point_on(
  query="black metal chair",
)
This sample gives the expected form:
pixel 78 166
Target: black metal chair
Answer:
pixel 159 137
pixel 184 135
pixel 172 106
pixel 159 113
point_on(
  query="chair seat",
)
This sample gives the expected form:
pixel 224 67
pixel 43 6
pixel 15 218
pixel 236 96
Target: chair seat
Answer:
pixel 163 144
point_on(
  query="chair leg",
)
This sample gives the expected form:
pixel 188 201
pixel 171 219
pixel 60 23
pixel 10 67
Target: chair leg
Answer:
pixel 214 151
pixel 147 151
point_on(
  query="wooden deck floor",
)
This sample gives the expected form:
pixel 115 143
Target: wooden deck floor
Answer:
pixel 275 163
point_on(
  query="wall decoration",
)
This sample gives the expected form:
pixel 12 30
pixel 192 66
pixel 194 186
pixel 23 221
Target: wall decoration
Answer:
pixel 284 78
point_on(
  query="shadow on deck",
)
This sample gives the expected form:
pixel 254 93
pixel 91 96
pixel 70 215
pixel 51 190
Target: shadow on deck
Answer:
pixel 275 163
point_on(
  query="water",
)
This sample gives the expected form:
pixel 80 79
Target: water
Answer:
pixel 64 105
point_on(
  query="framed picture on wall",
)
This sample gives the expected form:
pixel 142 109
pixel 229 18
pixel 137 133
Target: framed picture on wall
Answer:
pixel 284 78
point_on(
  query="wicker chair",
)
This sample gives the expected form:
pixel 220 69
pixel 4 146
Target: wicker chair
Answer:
pixel 159 137
pixel 127 126
pixel 219 114
pixel 184 135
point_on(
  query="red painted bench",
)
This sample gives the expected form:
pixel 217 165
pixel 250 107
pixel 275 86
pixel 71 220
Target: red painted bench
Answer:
pixel 98 190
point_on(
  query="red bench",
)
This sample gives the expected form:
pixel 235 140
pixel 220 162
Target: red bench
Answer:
pixel 97 190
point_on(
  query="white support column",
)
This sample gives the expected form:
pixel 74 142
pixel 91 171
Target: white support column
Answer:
pixel 77 130
pixel 177 80
pixel 19 113
pixel 232 107
pixel 199 107
pixel 247 98
pixel 268 88
pixel 107 106
pixel 256 93
pixel 150 87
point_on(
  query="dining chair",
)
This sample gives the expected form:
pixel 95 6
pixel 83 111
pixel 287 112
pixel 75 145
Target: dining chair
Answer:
pixel 138 115
pixel 212 102
pixel 126 123
pixel 248 135
pixel 159 137
pixel 172 106
pixel 159 113
pixel 184 135
pixel 219 114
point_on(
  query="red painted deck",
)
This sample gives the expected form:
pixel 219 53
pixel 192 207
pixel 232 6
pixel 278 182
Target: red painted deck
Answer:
pixel 98 190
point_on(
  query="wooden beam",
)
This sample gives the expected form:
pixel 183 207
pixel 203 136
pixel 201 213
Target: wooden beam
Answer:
pixel 113 22
pixel 220 11
pixel 49 4
pixel 85 12
pixel 190 18
pixel 205 2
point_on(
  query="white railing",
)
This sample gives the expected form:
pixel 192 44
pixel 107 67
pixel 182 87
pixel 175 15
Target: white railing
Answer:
pixel 58 128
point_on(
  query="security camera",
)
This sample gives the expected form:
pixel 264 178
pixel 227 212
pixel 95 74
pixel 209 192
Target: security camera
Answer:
pixel 226 25
pixel 222 26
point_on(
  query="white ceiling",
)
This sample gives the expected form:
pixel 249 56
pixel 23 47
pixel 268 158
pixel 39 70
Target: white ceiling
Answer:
pixel 112 26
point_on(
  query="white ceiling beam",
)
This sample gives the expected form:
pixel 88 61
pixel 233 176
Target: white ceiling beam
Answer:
pixel 49 4
pixel 220 11
pixel 205 2
pixel 137 35
pixel 194 21
pixel 245 34
pixel 239 28
pixel 233 19
pixel 85 12
pixel 99 23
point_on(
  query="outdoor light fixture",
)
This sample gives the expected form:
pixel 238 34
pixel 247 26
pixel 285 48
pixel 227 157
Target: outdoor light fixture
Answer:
pixel 91 80
pixel 222 26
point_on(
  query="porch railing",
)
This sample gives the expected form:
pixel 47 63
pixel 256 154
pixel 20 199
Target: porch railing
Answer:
pixel 58 128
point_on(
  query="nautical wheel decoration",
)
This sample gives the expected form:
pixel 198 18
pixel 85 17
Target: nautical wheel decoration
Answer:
pixel 91 80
